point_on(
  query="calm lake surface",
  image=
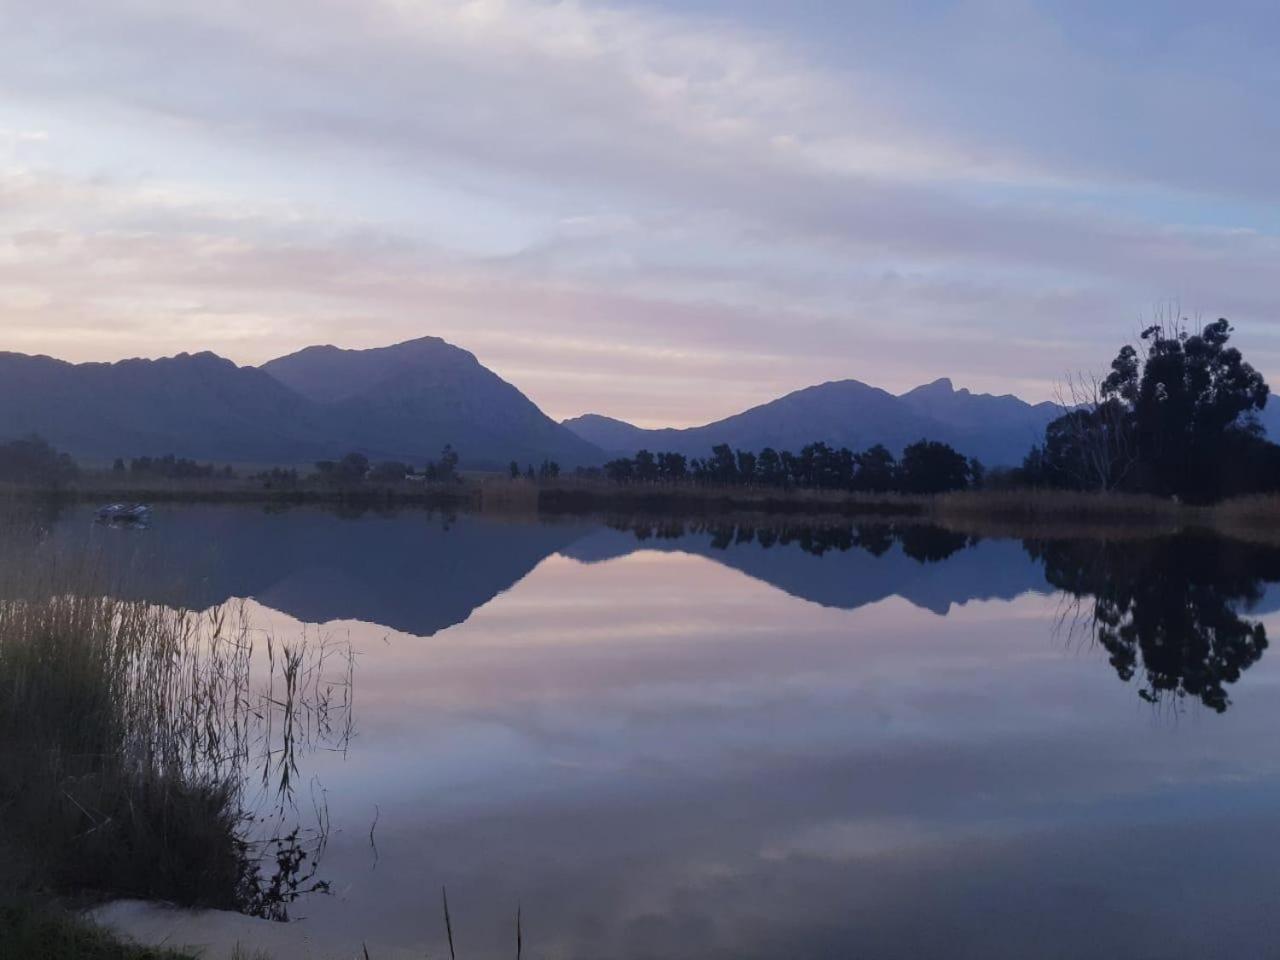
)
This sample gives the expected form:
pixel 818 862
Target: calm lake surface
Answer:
pixel 707 740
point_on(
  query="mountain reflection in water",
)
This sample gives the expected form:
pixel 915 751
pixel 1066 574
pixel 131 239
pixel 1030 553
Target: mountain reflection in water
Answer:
pixel 1172 611
pixel 710 739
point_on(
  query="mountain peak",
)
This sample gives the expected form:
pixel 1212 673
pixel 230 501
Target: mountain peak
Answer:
pixel 328 373
pixel 942 387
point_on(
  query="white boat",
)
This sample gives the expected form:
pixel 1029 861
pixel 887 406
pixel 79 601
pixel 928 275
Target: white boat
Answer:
pixel 124 513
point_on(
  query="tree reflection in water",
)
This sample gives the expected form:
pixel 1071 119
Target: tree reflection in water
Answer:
pixel 1172 611
pixel 921 542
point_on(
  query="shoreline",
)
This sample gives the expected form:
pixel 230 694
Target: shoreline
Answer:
pixel 1016 512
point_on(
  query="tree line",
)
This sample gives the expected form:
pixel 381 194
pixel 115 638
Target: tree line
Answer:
pixel 548 470
pixel 32 460
pixel 171 467
pixel 356 468
pixel 928 466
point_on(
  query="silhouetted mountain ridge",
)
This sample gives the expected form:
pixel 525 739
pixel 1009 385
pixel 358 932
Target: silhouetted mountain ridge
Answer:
pixel 195 405
pixel 408 400
pixel 848 413
pixel 400 402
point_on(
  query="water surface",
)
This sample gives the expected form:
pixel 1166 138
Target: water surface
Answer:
pixel 675 739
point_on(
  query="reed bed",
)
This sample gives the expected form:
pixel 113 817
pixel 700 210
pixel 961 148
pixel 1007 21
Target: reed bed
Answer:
pixel 128 733
pixel 1249 518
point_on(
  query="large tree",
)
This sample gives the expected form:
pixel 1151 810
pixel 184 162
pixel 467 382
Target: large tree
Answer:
pixel 932 467
pixel 1192 400
pixel 1177 415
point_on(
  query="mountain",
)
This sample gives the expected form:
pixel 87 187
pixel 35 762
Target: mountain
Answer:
pixel 403 402
pixel 408 400
pixel 977 412
pixel 847 413
pixel 615 436
pixel 192 405
pixel 312 564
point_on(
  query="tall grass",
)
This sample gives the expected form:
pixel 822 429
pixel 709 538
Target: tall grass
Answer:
pixel 128 731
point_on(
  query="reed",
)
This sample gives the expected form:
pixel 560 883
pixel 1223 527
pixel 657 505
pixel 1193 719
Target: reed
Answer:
pixel 1252 518
pixel 1033 504
pixel 127 730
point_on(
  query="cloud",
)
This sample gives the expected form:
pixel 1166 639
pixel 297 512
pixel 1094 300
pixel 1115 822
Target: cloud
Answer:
pixel 617 207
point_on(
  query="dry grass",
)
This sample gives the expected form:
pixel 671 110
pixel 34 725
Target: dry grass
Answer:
pixel 502 495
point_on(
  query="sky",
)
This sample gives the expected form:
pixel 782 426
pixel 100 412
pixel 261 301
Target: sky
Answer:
pixel 660 211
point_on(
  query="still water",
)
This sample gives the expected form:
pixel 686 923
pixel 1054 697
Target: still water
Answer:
pixel 707 740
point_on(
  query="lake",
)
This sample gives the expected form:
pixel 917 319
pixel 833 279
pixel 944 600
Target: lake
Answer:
pixel 678 739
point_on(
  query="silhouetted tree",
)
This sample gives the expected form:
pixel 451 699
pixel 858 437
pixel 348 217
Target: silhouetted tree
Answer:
pixel 723 465
pixel 353 467
pixel 447 468
pixel 876 470
pixel 621 470
pixel 33 460
pixel 769 469
pixel 932 467
pixel 1177 415
pixel 390 471
pixel 672 467
pixel 174 468
pixel 646 467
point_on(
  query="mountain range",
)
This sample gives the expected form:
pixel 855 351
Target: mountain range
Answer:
pixel 407 401
pixel 848 413
pixel 403 402
pixel 318 566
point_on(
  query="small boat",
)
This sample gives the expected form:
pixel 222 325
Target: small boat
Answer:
pixel 136 513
